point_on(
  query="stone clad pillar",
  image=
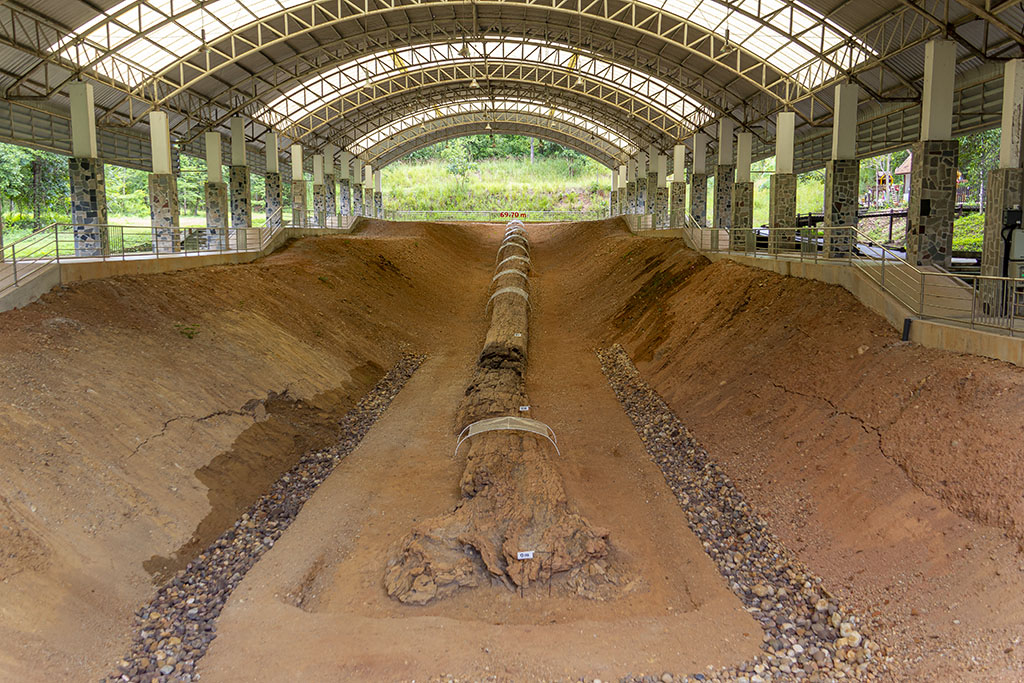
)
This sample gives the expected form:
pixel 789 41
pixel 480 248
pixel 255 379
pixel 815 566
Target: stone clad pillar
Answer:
pixel 330 188
pixel 842 175
pixel 238 185
pixel 299 208
pixel 86 176
pixel 699 181
pixel 368 190
pixel 782 188
pixel 344 183
pixel 1005 190
pixel 613 194
pixel 631 186
pixel 378 196
pixel 661 218
pixel 742 237
pixel 620 209
pixel 725 172
pixel 651 191
pixel 933 170
pixel 357 187
pixel 677 194
pixel 274 197
pixel 319 197
pixel 164 212
pixel 216 233
pixel 641 183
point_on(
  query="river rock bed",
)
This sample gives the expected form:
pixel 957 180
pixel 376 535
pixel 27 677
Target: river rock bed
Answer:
pixel 808 635
pixel 175 629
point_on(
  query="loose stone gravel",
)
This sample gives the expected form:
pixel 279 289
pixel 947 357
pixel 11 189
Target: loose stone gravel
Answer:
pixel 176 628
pixel 808 635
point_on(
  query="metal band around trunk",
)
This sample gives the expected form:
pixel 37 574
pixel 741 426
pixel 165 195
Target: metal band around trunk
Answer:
pixel 513 258
pixel 511 424
pixel 518 291
pixel 511 271
pixel 512 244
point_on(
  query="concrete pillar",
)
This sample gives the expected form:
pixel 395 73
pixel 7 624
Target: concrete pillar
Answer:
pixel 621 195
pixel 216 190
pixel 344 183
pixel 357 187
pixel 319 198
pixel 725 172
pixel 274 197
pixel 612 193
pixel 1005 190
pixel 164 212
pixel 782 188
pixel 299 207
pixel 842 175
pixel 933 170
pixel 651 191
pixel 698 209
pixel 239 188
pixel 330 187
pixel 677 194
pixel 661 217
pixel 378 196
pixel 86 176
pixel 742 237
pixel 368 190
pixel 631 167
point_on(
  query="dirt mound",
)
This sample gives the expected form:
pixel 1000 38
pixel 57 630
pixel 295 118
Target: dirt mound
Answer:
pixel 877 459
pixel 141 414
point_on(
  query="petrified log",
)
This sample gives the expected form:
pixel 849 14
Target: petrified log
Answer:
pixel 513 498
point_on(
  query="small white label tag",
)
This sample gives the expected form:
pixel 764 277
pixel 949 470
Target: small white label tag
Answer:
pixel 524 555
pixel 523 409
pixel 518 334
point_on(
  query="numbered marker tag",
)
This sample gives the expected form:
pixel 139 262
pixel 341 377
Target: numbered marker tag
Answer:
pixel 518 334
pixel 523 409
pixel 524 555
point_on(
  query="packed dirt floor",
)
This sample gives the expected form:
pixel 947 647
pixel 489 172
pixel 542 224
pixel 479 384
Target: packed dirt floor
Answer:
pixel 141 415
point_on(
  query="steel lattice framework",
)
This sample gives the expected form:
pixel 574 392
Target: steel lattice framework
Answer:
pixel 656 70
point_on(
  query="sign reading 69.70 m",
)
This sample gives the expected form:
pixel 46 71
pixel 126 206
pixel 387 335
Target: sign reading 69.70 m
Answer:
pixel 513 214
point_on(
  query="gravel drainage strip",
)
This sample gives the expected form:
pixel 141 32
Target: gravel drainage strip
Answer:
pixel 808 635
pixel 176 628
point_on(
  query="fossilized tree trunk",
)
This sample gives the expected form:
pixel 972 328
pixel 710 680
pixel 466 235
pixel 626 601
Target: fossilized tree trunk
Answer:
pixel 513 498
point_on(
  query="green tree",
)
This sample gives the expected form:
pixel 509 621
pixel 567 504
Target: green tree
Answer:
pixel 979 154
pixel 457 160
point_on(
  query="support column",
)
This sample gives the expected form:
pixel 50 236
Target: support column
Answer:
pixel 613 194
pixel 357 187
pixel 842 175
pixel 641 183
pixel 299 208
pixel 86 176
pixel 378 196
pixel 933 170
pixel 238 185
pixel 163 188
pixel 344 189
pixel 677 194
pixel 698 208
pixel 725 172
pixel 214 238
pixel 330 188
pixel 782 188
pixel 1005 191
pixel 661 218
pixel 742 237
pixel 651 180
pixel 631 186
pixel 368 190
pixel 319 198
pixel 620 209
pixel 274 198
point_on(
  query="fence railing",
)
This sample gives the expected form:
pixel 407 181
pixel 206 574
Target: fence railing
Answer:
pixel 492 216
pixel 991 303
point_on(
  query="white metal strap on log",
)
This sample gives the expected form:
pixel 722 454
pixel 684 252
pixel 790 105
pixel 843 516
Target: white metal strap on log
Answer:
pixel 515 231
pixel 508 423
pixel 518 291
pixel 512 244
pixel 520 240
pixel 517 257
pixel 511 271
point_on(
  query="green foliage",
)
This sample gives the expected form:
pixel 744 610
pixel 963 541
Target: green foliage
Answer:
pixel 32 181
pixel 969 232
pixel 979 154
pixel 187 330
pixel 457 160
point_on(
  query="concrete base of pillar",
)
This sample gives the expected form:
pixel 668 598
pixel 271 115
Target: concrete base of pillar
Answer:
pixel 368 201
pixel 677 204
pixel 650 184
pixel 164 213
pixel 842 194
pixel 275 201
pixel 88 206
pixel 319 207
pixel 241 197
pixel 357 199
pixel 725 178
pixel 299 204
pixel 216 233
pixel 631 197
pixel 613 198
pixel 344 195
pixel 782 212
pixel 378 204
pixel 741 236
pixel 699 198
pixel 932 205
pixel 661 215
pixel 1005 191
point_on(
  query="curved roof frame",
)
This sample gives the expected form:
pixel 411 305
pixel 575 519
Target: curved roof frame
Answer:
pixel 483 108
pixel 508 123
pixel 378 102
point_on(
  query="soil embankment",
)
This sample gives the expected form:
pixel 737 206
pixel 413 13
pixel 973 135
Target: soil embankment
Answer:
pixel 892 470
pixel 142 415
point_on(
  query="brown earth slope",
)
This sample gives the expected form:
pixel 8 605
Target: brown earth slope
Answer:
pixel 895 471
pixel 141 415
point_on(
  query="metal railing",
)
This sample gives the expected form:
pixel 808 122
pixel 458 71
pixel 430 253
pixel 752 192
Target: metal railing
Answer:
pixel 486 215
pixel 26 256
pixel 991 303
